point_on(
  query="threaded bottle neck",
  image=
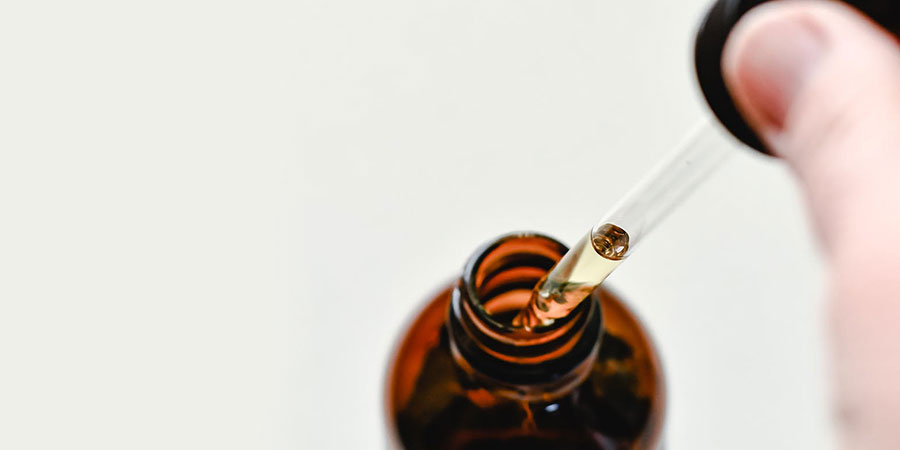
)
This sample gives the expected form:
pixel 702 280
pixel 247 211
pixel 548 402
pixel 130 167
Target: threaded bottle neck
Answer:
pixel 496 284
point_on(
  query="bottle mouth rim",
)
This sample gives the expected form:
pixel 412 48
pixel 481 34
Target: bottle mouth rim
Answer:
pixel 540 360
pixel 476 275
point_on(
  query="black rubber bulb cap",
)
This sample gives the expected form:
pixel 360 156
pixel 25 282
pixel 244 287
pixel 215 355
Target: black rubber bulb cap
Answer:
pixel 720 20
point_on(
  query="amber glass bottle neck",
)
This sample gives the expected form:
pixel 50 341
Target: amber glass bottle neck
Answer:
pixel 495 285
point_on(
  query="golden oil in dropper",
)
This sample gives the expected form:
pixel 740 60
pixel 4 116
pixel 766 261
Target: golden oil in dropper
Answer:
pixel 589 262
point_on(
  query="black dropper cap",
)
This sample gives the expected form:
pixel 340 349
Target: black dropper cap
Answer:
pixel 711 37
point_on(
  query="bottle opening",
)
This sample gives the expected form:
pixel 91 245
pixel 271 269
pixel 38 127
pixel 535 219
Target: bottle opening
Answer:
pixel 501 278
pixel 496 284
pixel 508 282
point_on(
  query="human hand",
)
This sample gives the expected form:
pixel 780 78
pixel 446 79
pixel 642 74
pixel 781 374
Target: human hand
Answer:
pixel 820 84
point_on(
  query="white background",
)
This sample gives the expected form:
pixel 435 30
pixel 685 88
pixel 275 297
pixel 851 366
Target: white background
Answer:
pixel 215 217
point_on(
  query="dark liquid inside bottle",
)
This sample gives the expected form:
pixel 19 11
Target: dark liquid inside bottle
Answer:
pixel 463 379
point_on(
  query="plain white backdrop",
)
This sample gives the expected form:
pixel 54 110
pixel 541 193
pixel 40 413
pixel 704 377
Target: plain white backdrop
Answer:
pixel 215 217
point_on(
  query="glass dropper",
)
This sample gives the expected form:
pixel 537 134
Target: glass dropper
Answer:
pixel 614 237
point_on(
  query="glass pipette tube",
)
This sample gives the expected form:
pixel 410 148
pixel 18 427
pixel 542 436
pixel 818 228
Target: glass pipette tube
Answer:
pixel 614 238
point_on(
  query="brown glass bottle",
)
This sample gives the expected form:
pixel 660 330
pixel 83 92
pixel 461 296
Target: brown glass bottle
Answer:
pixel 463 378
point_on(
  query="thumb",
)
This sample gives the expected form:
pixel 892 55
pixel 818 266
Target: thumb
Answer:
pixel 820 83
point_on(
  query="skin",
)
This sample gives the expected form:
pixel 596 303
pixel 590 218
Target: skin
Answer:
pixel 820 83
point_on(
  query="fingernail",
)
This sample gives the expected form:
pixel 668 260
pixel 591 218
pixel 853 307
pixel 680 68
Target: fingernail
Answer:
pixel 767 62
